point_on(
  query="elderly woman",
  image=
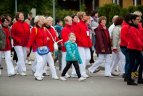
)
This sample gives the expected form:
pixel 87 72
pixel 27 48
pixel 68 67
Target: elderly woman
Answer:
pixel 39 40
pixel 20 34
pixel 53 37
pixel 103 47
pixel 117 56
pixel 7 48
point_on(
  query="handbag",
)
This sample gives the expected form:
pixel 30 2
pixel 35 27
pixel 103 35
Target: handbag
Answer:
pixel 43 50
pixel 55 43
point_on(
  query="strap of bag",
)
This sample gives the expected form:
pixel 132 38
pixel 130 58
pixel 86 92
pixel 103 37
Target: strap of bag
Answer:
pixel 51 35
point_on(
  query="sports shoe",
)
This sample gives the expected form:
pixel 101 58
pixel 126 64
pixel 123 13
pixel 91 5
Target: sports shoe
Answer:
pixel 23 74
pixel 85 76
pixel 115 74
pixel 55 78
pixel 10 75
pixel 74 76
pixel 38 78
pixel 29 62
pixel 63 78
pixel 67 76
pixel 81 79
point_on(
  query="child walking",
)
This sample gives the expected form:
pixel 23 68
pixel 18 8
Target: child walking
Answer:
pixel 72 57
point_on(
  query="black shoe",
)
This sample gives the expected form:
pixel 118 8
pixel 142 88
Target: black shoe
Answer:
pixel 131 83
pixel 140 81
pixel 44 74
pixel 97 70
pixel 1 67
pixel 125 79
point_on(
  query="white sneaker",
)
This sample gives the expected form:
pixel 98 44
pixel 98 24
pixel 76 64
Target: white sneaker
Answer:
pixel 23 74
pixel 56 78
pixel 29 63
pixel 10 75
pixel 74 76
pixel 63 78
pixel 81 79
pixel 38 78
pixel 85 76
pixel 67 76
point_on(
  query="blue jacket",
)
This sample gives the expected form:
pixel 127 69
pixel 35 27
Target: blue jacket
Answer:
pixel 72 52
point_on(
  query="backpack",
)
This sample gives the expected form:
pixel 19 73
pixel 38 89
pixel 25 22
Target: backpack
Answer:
pixel 2 39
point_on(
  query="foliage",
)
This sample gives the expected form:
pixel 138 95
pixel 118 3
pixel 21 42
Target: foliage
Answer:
pixel 109 10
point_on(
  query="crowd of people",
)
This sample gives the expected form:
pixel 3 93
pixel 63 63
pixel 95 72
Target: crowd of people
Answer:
pixel 74 45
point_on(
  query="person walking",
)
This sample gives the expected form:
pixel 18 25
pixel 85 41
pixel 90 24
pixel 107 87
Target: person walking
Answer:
pixel 20 32
pixel 72 57
pixel 103 47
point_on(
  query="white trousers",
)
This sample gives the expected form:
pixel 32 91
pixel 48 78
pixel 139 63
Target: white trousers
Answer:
pixel 85 57
pixel 63 61
pixel 99 61
pixel 8 60
pixel 118 59
pixel 40 63
pixel 21 55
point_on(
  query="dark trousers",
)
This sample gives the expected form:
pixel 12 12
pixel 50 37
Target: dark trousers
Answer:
pixel 92 59
pixel 133 56
pixel 14 55
pixel 125 52
pixel 68 65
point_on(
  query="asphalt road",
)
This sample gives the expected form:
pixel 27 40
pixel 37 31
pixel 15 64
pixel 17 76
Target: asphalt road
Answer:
pixel 97 85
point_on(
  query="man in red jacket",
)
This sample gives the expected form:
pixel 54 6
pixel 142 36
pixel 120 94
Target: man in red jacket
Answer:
pixel 20 33
pixel 135 46
pixel 124 41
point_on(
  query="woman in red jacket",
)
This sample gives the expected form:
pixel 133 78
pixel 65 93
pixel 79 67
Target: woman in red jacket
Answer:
pixel 20 34
pixel 135 46
pixel 7 50
pixel 53 37
pixel 83 41
pixel 39 39
pixel 67 29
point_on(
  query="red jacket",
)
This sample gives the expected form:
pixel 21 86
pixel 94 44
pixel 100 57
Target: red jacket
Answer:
pixel 55 37
pixel 65 32
pixel 82 35
pixel 38 38
pixel 20 33
pixel 8 37
pixel 124 35
pixel 134 39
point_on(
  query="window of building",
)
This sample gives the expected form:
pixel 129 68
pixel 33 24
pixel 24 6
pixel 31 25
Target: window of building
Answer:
pixel 119 2
pixel 136 2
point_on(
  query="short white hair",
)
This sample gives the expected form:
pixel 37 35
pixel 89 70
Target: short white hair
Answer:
pixel 37 18
pixel 49 18
pixel 114 17
pixel 138 13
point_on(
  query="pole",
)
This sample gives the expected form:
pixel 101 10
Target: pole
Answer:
pixel 54 12
pixel 93 5
pixel 15 6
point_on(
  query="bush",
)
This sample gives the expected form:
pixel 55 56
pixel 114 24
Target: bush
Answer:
pixel 109 10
